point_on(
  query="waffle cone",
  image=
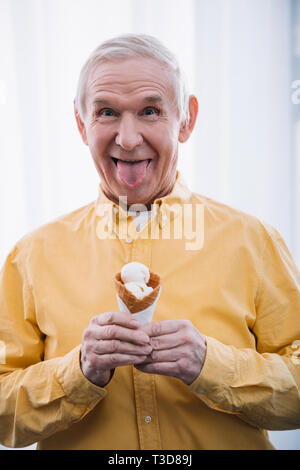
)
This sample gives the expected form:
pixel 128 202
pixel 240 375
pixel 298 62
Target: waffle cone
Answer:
pixel 133 304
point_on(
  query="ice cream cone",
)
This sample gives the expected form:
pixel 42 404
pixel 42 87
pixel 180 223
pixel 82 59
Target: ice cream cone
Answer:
pixel 133 304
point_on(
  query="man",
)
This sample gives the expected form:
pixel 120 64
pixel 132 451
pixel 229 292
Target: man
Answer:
pixel 219 364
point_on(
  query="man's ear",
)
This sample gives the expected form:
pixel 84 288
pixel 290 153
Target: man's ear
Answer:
pixel 80 124
pixel 187 126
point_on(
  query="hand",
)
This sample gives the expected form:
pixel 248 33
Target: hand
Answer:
pixel 179 350
pixel 112 339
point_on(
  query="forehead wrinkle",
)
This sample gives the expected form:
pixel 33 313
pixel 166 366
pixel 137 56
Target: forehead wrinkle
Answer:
pixel 154 98
pixel 135 86
pixel 107 80
pixel 147 95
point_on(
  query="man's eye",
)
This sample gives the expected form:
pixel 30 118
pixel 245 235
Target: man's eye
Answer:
pixel 150 111
pixel 106 112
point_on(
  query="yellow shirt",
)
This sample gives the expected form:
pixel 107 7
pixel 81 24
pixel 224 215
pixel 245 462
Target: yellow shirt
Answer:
pixel 236 282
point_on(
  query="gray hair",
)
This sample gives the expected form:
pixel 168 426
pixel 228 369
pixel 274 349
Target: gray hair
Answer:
pixel 135 45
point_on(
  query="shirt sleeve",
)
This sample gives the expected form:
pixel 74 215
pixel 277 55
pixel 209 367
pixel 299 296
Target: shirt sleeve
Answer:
pixel 38 397
pixel 262 385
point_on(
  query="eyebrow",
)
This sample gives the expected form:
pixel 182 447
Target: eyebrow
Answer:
pixel 153 99
pixel 101 101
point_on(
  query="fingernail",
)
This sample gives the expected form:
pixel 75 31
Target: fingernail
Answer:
pixel 145 339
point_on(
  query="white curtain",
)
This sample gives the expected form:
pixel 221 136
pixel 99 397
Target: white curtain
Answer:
pixel 241 58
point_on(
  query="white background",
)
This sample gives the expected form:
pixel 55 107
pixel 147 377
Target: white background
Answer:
pixel 241 58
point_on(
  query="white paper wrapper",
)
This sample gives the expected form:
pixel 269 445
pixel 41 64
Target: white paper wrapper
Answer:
pixel 144 316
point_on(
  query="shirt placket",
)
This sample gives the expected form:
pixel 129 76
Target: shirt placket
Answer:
pixel 138 248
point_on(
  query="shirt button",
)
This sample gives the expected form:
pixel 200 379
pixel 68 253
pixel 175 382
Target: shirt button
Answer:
pixel 128 240
pixel 148 419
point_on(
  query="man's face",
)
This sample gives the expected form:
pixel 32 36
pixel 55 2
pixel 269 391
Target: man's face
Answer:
pixel 132 128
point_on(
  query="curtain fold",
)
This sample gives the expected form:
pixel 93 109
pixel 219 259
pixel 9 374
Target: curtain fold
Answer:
pixel 295 52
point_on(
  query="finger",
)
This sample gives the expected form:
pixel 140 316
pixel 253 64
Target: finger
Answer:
pixel 121 347
pixel 167 341
pixel 163 327
pixel 110 361
pixel 166 355
pixel 162 368
pixel 118 318
pixel 110 332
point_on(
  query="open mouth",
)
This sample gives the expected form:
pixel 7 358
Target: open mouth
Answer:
pixel 131 173
pixel 131 162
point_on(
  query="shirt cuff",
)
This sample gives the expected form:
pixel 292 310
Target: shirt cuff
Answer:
pixel 78 389
pixel 213 382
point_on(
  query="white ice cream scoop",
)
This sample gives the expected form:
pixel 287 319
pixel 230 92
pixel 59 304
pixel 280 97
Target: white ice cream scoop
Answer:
pixel 139 289
pixel 135 272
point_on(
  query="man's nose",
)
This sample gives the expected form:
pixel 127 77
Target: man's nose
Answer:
pixel 128 136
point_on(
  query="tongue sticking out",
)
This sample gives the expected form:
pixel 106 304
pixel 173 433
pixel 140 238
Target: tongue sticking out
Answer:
pixel 132 174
